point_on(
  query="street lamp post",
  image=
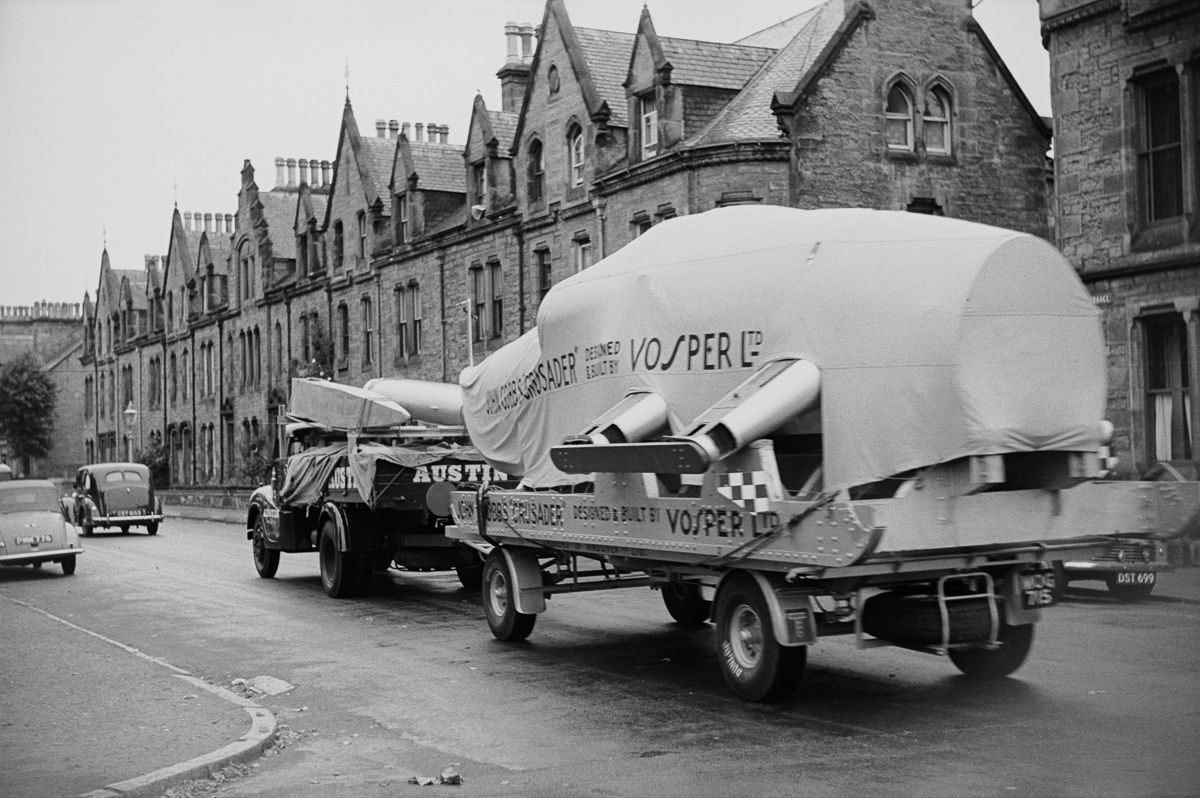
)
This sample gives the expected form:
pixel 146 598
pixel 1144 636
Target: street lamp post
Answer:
pixel 130 412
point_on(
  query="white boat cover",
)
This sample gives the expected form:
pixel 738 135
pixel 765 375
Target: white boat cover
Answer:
pixel 936 339
pixel 343 406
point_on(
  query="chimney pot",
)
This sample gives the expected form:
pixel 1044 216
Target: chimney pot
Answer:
pixel 393 128
pixel 445 134
pixel 208 217
pixel 380 128
pixel 187 220
pixel 326 173
pixel 229 223
pixel 512 34
pixel 419 129
pixel 278 172
pixel 291 172
pixel 404 130
pixel 526 42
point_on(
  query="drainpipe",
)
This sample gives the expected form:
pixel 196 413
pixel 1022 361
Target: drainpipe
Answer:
pixel 520 281
pixel 441 262
pixel 599 204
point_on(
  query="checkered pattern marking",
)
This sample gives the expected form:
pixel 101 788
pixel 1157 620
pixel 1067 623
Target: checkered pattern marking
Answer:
pixel 745 488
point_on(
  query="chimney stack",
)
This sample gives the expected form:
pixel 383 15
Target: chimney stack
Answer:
pixel 291 172
pixel 278 173
pixel 393 128
pixel 418 129
pixel 303 162
pixel 380 128
pixel 229 223
pixel 208 223
pixel 326 173
pixel 512 38
pixel 405 131
pixel 187 220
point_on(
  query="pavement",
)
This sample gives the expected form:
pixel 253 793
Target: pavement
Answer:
pixel 212 710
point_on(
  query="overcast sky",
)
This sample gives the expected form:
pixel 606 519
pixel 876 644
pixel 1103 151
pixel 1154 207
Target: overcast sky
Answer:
pixel 114 111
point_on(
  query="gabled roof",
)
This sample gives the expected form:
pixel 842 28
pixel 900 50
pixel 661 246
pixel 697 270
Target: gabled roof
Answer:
pixel 713 64
pixel 279 211
pixel 133 289
pixel 310 207
pixel 504 128
pixel 153 279
pixel 780 33
pixel 749 114
pixel 181 266
pixel 606 53
pixel 376 155
pixel 214 249
pixel 438 167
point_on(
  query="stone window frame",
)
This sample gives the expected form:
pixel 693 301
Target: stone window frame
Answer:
pixel 535 170
pixel 1147 234
pixel 478 301
pixel 576 155
pixel 366 306
pixel 647 122
pixel 1156 314
pixel 938 87
pixel 343 328
pixel 495 289
pixel 544 263
pixel 903 86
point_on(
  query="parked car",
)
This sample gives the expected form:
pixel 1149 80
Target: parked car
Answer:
pixel 33 526
pixel 114 495
pixel 1129 568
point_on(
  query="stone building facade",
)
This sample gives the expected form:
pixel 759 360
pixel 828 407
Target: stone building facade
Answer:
pixel 410 256
pixel 1125 89
pixel 51 331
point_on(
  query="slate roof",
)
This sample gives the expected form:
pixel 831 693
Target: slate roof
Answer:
pixel 749 115
pixel 377 154
pixel 607 55
pixel 504 127
pixel 439 167
pixel 279 210
pixel 780 33
pixel 137 289
pixel 722 66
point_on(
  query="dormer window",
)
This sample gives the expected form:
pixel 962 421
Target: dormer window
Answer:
pixel 899 114
pixel 648 113
pixel 936 121
pixel 575 155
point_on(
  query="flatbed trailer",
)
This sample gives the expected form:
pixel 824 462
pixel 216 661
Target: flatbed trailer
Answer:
pixel 777 580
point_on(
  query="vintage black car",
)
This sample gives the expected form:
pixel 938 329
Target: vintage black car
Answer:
pixel 33 529
pixel 114 495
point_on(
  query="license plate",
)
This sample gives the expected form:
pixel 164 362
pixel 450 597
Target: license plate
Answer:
pixel 1136 578
pixel 1036 588
pixel 33 540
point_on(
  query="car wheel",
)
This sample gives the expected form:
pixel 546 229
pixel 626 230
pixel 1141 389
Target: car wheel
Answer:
pixel 68 565
pixel 266 561
pixel 152 528
pixel 755 665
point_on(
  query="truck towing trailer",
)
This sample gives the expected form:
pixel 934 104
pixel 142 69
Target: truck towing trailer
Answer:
pixel 801 424
pixel 357 480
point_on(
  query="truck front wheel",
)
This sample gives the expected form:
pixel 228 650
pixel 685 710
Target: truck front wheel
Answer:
pixel 498 603
pixel 341 571
pixel 755 666
pixel 266 561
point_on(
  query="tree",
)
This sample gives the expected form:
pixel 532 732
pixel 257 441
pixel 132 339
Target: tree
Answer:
pixel 27 397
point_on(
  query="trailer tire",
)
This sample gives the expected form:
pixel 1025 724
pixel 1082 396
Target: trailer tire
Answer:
pixel 498 602
pixel 686 604
pixel 1128 594
pixel 916 620
pixel 341 571
pixel 470 576
pixel 996 663
pixel 755 665
pixel 266 561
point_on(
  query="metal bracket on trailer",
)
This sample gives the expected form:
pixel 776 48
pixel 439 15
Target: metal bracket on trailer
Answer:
pixel 528 591
pixel 792 616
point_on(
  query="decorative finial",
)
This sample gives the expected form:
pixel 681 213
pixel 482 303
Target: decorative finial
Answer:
pixel 347 78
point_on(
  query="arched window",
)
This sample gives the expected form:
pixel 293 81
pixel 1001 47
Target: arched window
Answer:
pixel 339 245
pixel 899 113
pixel 535 171
pixel 936 121
pixel 278 350
pixel 575 155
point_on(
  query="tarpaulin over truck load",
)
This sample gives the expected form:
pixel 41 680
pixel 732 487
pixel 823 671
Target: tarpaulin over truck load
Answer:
pixel 935 339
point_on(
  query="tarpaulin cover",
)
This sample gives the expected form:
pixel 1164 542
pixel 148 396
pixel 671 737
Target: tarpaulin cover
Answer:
pixel 936 339
pixel 308 472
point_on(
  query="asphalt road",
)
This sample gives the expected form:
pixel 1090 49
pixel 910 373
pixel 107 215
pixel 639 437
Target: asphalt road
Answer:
pixel 608 697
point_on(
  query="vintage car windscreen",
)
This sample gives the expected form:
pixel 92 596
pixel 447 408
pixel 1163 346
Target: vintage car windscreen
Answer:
pixel 24 499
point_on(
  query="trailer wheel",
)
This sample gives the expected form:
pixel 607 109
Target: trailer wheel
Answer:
pixel 266 561
pixel 916 619
pixel 755 666
pixel 996 663
pixel 686 604
pixel 1128 593
pixel 498 604
pixel 470 576
pixel 340 571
